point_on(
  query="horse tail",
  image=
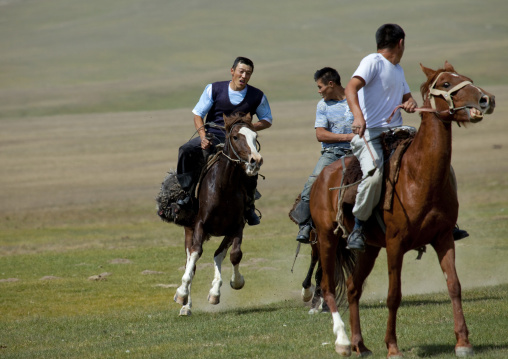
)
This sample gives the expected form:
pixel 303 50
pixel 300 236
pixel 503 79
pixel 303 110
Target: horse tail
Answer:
pixel 345 262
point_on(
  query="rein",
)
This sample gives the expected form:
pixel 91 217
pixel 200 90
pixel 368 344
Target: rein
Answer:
pixel 229 145
pixel 447 96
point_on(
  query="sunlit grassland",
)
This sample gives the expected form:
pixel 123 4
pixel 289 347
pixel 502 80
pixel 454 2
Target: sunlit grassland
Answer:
pixel 281 329
pixel 75 206
pixel 95 99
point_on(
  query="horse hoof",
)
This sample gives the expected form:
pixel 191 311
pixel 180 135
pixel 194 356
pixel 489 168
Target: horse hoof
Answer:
pixel 237 286
pixel 343 350
pixel 307 294
pixel 463 352
pixel 313 311
pixel 180 300
pixel 213 299
pixel 185 312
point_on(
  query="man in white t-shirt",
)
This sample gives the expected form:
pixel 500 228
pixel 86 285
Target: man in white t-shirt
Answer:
pixel 376 88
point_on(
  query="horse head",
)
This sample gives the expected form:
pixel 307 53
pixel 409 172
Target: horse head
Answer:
pixel 448 92
pixel 241 140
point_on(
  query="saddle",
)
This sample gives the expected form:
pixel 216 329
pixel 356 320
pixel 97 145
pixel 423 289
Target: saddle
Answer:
pixel 395 143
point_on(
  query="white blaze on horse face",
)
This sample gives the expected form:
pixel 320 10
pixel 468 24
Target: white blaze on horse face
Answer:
pixel 253 166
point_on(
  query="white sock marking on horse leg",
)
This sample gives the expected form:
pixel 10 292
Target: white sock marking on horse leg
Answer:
pixel 217 280
pixel 237 280
pixel 338 329
pixel 186 309
pixel 184 289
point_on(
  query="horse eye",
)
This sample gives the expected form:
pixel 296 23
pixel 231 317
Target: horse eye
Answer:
pixel 235 138
pixel 446 85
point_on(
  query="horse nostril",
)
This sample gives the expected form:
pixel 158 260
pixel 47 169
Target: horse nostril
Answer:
pixel 252 161
pixel 484 101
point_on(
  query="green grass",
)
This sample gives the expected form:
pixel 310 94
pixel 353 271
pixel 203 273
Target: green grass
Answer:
pixel 281 329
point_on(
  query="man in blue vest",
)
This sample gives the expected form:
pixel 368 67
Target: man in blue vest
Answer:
pixel 218 99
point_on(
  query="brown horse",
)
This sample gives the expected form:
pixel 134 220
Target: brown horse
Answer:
pixel 424 211
pixel 222 198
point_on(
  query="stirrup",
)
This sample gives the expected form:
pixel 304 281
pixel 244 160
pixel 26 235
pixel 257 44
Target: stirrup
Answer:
pixel 252 218
pixel 185 202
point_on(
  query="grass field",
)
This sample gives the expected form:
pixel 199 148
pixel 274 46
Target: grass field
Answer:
pixel 95 99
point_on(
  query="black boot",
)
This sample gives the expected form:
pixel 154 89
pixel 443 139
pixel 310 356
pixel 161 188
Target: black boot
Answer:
pixel 252 217
pixel 301 214
pixel 304 233
pixel 356 240
pixel 459 233
pixel 185 203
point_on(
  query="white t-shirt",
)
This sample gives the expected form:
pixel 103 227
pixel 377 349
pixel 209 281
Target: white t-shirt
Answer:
pixel 385 85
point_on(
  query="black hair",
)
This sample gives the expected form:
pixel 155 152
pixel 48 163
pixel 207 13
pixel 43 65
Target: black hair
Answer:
pixel 388 36
pixel 327 74
pixel 243 60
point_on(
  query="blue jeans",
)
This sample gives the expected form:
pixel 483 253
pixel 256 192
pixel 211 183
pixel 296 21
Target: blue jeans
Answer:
pixel 328 156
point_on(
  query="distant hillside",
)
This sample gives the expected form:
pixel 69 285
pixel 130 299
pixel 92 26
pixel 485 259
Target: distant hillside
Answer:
pixel 71 56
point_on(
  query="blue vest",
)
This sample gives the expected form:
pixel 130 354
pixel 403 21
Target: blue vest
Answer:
pixel 222 105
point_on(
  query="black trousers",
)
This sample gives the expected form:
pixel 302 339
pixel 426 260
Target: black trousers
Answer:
pixel 191 160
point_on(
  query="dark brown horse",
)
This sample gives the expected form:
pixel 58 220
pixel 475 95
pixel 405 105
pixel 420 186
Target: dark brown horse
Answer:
pixel 222 199
pixel 424 211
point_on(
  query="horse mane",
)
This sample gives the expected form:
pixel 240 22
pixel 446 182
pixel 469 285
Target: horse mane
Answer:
pixel 236 118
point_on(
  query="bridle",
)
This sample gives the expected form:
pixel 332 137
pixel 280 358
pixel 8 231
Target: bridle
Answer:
pixel 228 144
pixel 447 96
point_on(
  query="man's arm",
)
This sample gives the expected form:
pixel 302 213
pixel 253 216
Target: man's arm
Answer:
pixel 261 125
pixel 199 124
pixel 354 85
pixel 323 135
pixel 409 103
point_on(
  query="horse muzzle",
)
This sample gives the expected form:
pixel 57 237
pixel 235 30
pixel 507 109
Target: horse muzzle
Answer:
pixel 253 166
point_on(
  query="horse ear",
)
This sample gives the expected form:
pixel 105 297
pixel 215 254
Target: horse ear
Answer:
pixel 227 121
pixel 248 117
pixel 428 72
pixel 448 67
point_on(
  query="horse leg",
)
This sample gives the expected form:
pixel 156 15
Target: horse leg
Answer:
pixel 327 253
pixel 218 258
pixel 318 303
pixel 394 258
pixel 235 256
pixel 193 253
pixel 446 253
pixel 307 291
pixel 185 311
pixel 355 289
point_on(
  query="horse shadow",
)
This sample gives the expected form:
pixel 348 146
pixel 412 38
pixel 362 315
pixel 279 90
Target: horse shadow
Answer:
pixel 248 311
pixel 419 302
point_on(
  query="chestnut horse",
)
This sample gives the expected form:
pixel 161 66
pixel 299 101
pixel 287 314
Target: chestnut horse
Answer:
pixel 424 211
pixel 222 199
